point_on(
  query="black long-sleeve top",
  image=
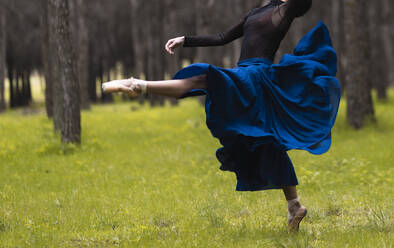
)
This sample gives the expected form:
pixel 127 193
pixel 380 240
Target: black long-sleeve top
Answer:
pixel 263 29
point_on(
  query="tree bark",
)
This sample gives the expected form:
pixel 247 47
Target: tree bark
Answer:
pixel 138 33
pixel 359 105
pixel 2 57
pixel 45 51
pixel 204 23
pixel 81 43
pixel 71 128
pixel 10 70
pixel 388 37
pixel 156 51
pixel 379 71
pixel 26 89
pixel 53 61
pixel 234 50
pixel 341 45
pixel 136 38
pixel 93 72
pixel 171 28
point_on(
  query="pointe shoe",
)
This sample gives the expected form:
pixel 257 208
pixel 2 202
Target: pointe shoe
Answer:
pixel 294 222
pixel 131 86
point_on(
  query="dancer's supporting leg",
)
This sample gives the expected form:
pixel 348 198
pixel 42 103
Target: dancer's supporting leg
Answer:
pixel 170 88
pixel 296 211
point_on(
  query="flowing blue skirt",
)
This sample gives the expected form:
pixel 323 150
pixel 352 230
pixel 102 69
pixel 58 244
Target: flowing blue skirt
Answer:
pixel 260 110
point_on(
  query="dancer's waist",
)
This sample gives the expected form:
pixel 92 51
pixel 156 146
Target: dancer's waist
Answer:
pixel 254 61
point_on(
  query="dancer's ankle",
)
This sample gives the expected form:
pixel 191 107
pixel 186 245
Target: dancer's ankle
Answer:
pixel 293 205
pixel 140 85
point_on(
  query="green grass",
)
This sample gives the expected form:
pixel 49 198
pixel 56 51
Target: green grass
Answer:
pixel 149 178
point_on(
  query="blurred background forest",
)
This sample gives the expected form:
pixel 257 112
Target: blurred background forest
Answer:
pixel 73 46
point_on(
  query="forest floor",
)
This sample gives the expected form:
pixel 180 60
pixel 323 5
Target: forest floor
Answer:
pixel 149 178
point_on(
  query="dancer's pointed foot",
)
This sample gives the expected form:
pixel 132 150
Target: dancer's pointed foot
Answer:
pixel 296 213
pixel 296 217
pixel 131 86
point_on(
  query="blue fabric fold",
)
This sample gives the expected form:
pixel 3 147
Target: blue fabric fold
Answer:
pixel 290 105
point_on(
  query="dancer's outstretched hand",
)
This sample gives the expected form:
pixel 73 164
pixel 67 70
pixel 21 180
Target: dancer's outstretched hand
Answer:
pixel 174 43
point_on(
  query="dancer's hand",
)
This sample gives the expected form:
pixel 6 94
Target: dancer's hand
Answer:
pixel 174 43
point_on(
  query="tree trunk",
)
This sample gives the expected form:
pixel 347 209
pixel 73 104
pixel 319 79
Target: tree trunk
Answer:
pixel 388 37
pixel 204 19
pixel 390 47
pixel 57 89
pixel 204 9
pixel 81 43
pixel 379 71
pixel 341 45
pixel 45 50
pixel 137 34
pixel 105 71
pixel 233 50
pixel 26 89
pixel 93 72
pixel 29 94
pixel 19 88
pixel 156 52
pixel 187 24
pixel 11 84
pixel 172 63
pixel 2 57
pixel 71 128
pixel 359 105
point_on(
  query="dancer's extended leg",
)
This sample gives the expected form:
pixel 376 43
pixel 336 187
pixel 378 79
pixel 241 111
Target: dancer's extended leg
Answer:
pixel 176 88
pixel 296 211
pixel 170 88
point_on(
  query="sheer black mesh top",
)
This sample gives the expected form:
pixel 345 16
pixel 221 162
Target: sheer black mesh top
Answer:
pixel 262 28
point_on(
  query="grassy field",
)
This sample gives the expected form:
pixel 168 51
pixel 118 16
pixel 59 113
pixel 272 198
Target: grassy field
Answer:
pixel 149 178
